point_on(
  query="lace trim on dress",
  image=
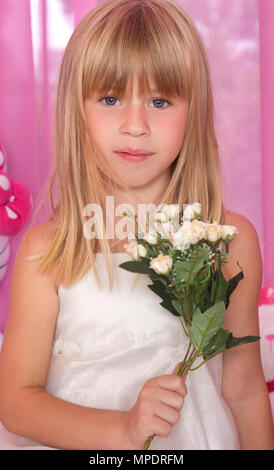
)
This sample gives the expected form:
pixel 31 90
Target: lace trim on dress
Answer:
pixel 121 339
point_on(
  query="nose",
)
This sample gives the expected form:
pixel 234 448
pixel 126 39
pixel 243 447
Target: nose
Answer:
pixel 134 121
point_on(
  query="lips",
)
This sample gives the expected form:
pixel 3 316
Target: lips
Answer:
pixel 133 158
pixel 134 151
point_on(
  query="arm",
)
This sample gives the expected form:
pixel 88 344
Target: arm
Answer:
pixel 25 408
pixel 243 381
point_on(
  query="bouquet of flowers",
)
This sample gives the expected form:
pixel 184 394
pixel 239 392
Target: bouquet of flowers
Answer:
pixel 184 261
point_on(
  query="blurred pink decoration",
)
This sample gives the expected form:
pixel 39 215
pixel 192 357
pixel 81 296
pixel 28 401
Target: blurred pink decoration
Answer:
pixel 4 255
pixel 267 294
pixel 15 205
pixel 266 324
pixel 3 159
pixel 15 201
pixel 15 210
pixel 4 240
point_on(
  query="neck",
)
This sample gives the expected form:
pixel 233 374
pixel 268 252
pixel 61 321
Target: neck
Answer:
pixel 150 193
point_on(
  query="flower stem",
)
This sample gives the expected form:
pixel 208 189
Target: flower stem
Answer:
pixel 148 442
pixel 181 320
pixel 194 368
pixel 187 310
pixel 186 354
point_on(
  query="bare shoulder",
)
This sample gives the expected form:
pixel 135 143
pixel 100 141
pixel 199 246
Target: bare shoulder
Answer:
pixel 245 248
pixel 27 277
pixel 37 237
pixel 245 226
pixel 34 242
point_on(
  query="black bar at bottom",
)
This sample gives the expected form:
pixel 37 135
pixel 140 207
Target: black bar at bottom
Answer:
pixel 123 459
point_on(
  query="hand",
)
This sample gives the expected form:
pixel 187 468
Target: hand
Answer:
pixel 156 410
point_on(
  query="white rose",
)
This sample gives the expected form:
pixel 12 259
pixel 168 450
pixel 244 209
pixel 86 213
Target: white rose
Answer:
pixel 168 231
pixel 151 236
pixel 167 212
pixel 182 237
pixel 129 247
pixel 229 232
pixel 198 230
pixel 135 250
pixel 213 232
pixel 162 264
pixel 171 210
pixel 192 211
pixel 142 250
pixel 160 216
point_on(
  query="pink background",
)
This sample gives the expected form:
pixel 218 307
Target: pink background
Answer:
pixel 239 38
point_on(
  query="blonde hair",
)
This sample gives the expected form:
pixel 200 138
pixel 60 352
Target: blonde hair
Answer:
pixel 114 41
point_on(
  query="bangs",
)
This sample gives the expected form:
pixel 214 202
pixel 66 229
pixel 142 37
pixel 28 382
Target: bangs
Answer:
pixel 139 42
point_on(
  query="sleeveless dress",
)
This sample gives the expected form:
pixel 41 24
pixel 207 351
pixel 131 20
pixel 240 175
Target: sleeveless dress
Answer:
pixel 107 344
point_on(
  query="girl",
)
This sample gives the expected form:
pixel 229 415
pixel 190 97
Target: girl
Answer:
pixel 84 367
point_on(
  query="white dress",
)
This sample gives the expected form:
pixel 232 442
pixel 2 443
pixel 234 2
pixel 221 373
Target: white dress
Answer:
pixel 107 344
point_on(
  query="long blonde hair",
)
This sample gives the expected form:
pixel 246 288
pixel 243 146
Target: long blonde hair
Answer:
pixel 114 41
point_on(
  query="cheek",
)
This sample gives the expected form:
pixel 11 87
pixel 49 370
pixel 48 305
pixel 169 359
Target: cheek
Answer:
pixel 173 136
pixel 97 129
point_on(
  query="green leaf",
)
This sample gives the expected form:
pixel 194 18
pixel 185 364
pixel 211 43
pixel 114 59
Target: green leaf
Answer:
pixel 232 341
pixel 203 301
pixel 186 270
pixel 205 325
pixel 232 284
pixel 169 306
pixel 142 267
pixel 204 275
pixel 135 267
pixel 216 345
pixel 182 309
pixel 178 306
pixel 158 289
pixel 158 277
pixel 225 340
pixel 189 306
pixel 182 270
pixel 213 289
pixel 221 287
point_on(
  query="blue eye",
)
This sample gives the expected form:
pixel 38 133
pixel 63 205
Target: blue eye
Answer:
pixel 108 98
pixel 154 100
pixel 160 99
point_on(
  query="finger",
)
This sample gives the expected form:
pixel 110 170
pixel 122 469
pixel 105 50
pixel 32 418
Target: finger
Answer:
pixel 172 382
pixel 167 413
pixel 173 399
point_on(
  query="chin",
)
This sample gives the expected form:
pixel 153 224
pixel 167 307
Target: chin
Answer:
pixel 138 185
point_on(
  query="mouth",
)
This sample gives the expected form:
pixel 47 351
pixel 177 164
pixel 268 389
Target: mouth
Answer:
pixel 133 158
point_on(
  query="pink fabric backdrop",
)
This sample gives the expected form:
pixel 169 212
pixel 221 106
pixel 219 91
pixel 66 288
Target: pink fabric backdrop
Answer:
pixel 266 16
pixel 239 37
